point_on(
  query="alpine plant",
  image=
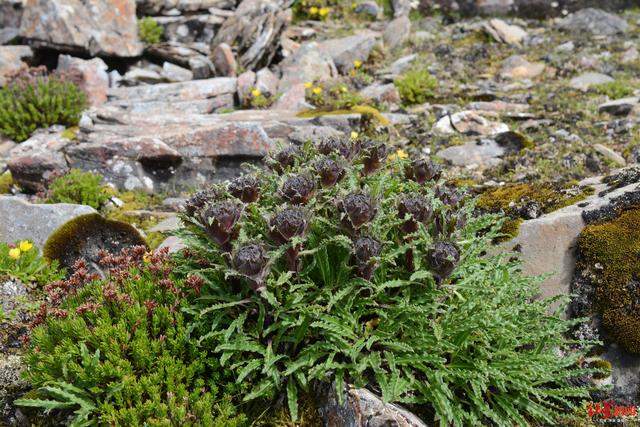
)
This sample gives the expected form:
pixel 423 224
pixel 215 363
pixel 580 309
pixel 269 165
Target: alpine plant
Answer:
pixel 336 264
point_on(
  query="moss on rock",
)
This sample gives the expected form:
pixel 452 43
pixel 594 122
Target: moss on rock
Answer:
pixel 608 254
pixel 87 235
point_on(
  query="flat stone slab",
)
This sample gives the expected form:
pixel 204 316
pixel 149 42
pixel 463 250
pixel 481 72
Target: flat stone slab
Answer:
pixel 21 220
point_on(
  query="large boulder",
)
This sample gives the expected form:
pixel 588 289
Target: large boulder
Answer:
pixel 307 64
pixel 12 60
pixel 344 51
pixel 21 220
pixel 96 27
pixel 91 75
pixel 254 30
pixel 594 21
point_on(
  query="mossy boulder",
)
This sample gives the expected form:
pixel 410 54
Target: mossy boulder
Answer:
pixel 86 236
pixel 608 277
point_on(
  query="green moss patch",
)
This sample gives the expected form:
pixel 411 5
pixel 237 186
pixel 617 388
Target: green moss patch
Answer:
pixel 610 251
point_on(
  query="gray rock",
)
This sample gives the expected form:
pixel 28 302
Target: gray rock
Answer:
pixel 191 28
pixel 90 74
pixel 10 293
pixel 171 223
pixel 619 107
pixel 307 64
pixel 193 57
pixel 609 154
pixel 518 68
pixel 344 51
pixel 585 80
pixel 505 33
pixel 267 82
pixel 174 73
pixel 154 7
pixel 91 26
pixel 362 408
pixel 246 83
pixel 314 134
pixel 255 30
pixel 12 385
pixel 401 65
pixel 485 152
pixel 174 92
pixel 38 159
pixel 138 75
pixel 224 60
pixel 397 32
pixel 10 17
pixel 382 93
pixel 369 9
pixel 624 380
pixel 12 59
pixel 468 123
pixel 594 21
pixel 400 7
pixel 21 220
pixel 173 244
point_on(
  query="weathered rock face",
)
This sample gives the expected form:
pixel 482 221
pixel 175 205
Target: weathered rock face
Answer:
pixel 10 16
pixel 346 50
pixel 11 386
pixel 21 220
pixel 362 408
pixel 254 30
pixel 154 7
pixel 192 56
pixel 525 8
pixel 468 123
pixel 485 152
pixel 594 21
pixel 93 77
pixel 12 59
pixel 307 64
pixel 97 27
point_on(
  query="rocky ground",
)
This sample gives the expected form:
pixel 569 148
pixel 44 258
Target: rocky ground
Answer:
pixel 530 114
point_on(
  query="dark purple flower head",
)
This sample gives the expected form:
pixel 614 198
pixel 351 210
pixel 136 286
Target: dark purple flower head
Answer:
pixel 220 219
pixel 285 158
pixel 245 188
pixel 443 259
pixel 200 199
pixel 287 224
pixel 330 171
pixel 358 209
pixel 298 189
pixel 423 170
pixel 446 224
pixel 341 146
pixel 373 154
pixel 419 210
pixel 450 196
pixel 252 262
pixel 364 249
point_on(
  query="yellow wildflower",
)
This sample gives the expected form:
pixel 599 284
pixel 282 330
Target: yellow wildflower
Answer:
pixel 324 11
pixel 308 85
pixel 317 90
pixel 313 10
pixel 14 253
pixel 256 93
pixel 354 134
pixel 25 246
pixel 357 63
pixel 146 257
pixel 400 154
pixel 343 88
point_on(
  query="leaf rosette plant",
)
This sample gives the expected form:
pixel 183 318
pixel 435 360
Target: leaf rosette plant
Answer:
pixel 344 266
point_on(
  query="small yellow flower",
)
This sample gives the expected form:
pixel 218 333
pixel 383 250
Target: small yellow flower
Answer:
pixel 256 93
pixel 324 11
pixel 308 85
pixel 313 10
pixel 14 253
pixel 25 246
pixel 343 88
pixel 317 90
pixel 357 63
pixel 146 257
pixel 400 154
pixel 354 134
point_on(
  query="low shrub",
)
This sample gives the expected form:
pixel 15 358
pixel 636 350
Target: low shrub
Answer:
pixel 117 351
pixel 332 95
pixel 22 261
pixel 416 86
pixel 149 31
pixel 33 102
pixel 337 265
pixel 84 188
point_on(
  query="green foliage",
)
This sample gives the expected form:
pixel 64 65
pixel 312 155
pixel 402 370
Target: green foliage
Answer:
pixel 334 266
pixel 6 182
pixel 29 104
pixel 332 96
pixel 616 89
pixel 84 188
pixel 416 86
pixel 117 351
pixel 22 261
pixel 149 31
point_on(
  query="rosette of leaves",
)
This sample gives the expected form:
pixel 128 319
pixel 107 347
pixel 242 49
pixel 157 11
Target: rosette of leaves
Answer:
pixel 117 350
pixel 348 267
